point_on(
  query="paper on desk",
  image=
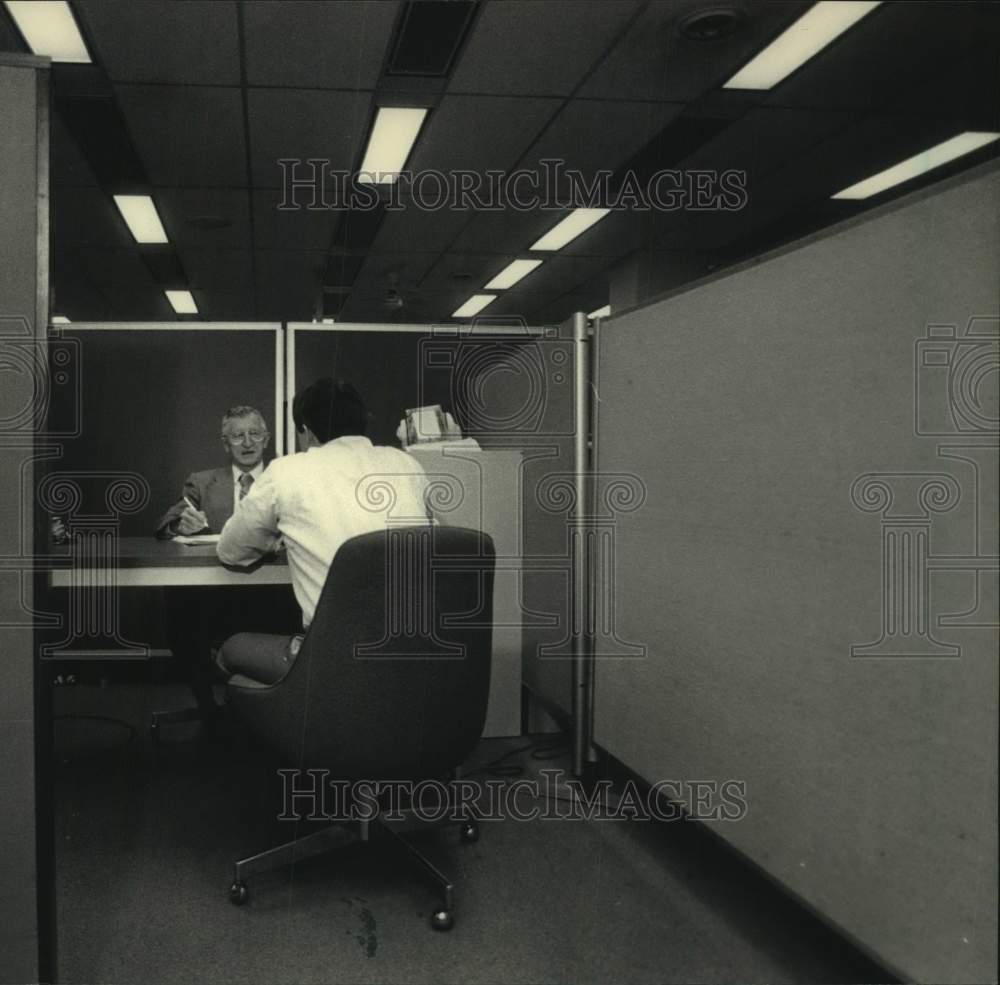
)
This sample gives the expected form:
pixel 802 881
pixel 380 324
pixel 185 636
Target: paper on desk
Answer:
pixel 193 539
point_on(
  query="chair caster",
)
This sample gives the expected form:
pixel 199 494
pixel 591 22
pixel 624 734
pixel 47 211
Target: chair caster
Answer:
pixel 469 832
pixel 238 893
pixel 442 920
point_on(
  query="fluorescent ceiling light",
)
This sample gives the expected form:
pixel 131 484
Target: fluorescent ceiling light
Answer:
pixel 600 312
pixel 60 320
pixel 393 135
pixel 512 273
pixel 182 302
pixel 50 29
pixel 809 35
pixel 142 219
pixel 474 305
pixel 577 222
pixel 919 164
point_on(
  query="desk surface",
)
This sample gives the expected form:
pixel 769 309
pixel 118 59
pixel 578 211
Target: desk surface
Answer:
pixel 145 562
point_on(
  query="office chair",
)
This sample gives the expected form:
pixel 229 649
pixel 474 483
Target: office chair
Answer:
pixel 391 684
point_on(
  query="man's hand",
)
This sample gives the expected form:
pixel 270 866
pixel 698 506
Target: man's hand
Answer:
pixel 191 521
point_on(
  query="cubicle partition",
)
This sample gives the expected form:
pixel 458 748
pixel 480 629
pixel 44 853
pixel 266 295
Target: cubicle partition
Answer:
pixel 810 582
pixel 140 408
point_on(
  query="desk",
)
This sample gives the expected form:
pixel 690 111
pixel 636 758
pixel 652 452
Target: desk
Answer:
pixel 144 562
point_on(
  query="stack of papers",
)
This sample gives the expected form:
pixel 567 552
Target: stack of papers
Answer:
pixel 193 539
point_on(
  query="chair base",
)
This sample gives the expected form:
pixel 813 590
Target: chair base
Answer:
pixel 350 831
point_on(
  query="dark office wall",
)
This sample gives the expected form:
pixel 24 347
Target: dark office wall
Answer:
pixel 753 408
pixel 386 367
pixel 23 280
pixel 151 402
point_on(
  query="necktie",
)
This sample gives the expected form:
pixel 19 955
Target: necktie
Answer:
pixel 246 481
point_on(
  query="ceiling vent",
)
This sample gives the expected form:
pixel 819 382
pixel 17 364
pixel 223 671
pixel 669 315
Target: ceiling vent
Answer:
pixel 429 37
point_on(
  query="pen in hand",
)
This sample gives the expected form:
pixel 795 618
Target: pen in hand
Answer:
pixel 193 516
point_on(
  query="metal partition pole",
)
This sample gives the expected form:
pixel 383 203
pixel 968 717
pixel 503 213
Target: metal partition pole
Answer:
pixel 290 443
pixel 581 677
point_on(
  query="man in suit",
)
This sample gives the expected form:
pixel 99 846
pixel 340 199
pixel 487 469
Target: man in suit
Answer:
pixel 210 497
pixel 198 617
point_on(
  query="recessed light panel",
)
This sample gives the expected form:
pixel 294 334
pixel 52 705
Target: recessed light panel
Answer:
pixel 473 306
pixel 50 29
pixel 182 302
pixel 919 164
pixel 809 35
pixel 515 271
pixel 393 135
pixel 141 217
pixel 577 222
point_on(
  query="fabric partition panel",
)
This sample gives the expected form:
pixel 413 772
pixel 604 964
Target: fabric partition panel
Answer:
pixel 27 881
pixel 806 573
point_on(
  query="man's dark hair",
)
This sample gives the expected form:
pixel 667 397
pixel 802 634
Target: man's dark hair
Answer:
pixel 330 409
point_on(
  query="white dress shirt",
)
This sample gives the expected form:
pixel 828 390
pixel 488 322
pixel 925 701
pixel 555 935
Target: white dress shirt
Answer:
pixel 318 499
pixel 237 472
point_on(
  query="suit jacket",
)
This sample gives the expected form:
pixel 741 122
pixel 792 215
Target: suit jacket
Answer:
pixel 211 492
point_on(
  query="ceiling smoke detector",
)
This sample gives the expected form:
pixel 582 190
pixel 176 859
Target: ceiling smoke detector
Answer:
pixel 711 24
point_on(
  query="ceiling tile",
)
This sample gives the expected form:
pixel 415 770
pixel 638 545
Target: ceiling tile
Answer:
pixel 317 45
pixel 290 229
pixel 419 230
pixel 68 165
pixel 560 309
pixel 162 41
pixel 224 306
pixel 287 283
pixel 205 217
pixel 594 135
pixel 224 270
pixel 187 135
pixel 537 48
pixel 477 133
pixel 87 216
pixel 299 124
pixel 402 270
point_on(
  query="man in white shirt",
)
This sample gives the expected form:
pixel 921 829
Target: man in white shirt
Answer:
pixel 340 486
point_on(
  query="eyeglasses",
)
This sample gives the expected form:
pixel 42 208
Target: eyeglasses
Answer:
pixel 256 437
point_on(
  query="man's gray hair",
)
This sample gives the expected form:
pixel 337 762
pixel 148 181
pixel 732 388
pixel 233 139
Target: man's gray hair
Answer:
pixel 241 411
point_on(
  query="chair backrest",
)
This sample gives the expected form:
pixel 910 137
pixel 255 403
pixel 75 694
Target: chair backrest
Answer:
pixel 393 677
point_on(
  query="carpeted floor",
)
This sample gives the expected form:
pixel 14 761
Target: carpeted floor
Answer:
pixel 146 836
